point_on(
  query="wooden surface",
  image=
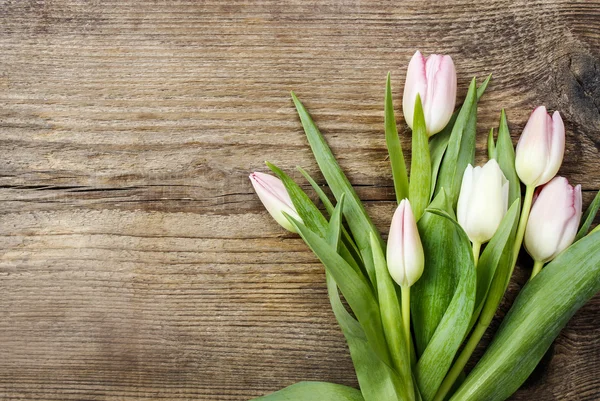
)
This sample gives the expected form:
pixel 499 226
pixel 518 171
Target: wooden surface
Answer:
pixel 135 260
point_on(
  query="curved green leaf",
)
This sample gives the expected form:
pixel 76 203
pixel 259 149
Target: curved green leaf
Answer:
pixel 504 153
pixel 312 391
pixel 354 287
pixel 420 165
pixel 439 142
pixel 432 294
pixel 394 147
pixel 539 313
pixel 461 147
pixel 359 222
pixel 588 217
pixel 441 349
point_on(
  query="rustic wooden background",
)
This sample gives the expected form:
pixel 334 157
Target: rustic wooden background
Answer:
pixel 135 260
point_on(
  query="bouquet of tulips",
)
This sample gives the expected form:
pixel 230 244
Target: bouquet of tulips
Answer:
pixel 417 306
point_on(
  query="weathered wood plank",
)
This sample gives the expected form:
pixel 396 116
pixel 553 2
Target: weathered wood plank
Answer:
pixel 135 261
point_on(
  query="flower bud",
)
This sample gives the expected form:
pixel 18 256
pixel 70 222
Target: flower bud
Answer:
pixel 483 201
pixel 541 147
pixel 434 78
pixel 554 220
pixel 275 198
pixel 405 258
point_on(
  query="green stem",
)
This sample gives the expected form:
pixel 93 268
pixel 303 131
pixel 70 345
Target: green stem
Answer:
pixel 537 267
pixel 406 315
pixel 476 250
pixel 523 221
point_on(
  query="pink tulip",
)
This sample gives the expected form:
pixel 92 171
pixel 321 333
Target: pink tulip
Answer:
pixel 554 220
pixel 541 147
pixel 405 257
pixel 275 198
pixel 434 79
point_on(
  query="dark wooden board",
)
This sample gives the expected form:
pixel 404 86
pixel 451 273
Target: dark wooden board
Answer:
pixel 136 261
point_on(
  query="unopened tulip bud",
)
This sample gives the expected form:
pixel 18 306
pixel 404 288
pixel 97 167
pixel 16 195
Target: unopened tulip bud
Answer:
pixel 483 201
pixel 554 220
pixel 275 198
pixel 541 148
pixel 405 257
pixel 434 79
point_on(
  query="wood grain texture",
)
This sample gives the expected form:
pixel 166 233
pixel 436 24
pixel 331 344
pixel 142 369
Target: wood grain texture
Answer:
pixel 135 260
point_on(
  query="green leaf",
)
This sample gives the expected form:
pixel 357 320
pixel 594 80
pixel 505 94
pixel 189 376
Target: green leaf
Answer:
pixel 461 147
pixel 377 381
pixel 432 294
pixel 311 215
pixel 394 147
pixel 498 252
pixel 311 391
pixel 439 142
pixel 588 217
pixel 354 287
pixel 348 241
pixel 420 166
pixel 437 358
pixel 359 222
pixel 504 153
pixel 542 309
pixel 391 318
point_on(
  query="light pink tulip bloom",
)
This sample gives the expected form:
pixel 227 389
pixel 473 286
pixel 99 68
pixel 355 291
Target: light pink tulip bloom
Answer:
pixel 554 220
pixel 275 198
pixel 405 257
pixel 541 147
pixel 434 79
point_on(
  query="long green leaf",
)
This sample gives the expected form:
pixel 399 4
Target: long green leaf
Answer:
pixel 391 318
pixel 504 153
pixel 354 287
pixel 588 217
pixel 539 313
pixel 310 214
pixel 394 147
pixel 359 222
pixel 497 252
pixel 439 354
pixel 377 381
pixel 439 142
pixel 432 294
pixel 461 147
pixel 420 165
pixel 312 391
pixel 348 241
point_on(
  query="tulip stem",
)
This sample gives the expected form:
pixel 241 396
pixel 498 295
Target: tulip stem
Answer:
pixel 523 220
pixel 406 315
pixel 476 250
pixel 537 267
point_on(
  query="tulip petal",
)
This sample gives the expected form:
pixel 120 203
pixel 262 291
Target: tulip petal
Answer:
pixel 556 130
pixel 441 92
pixel 416 83
pixel 533 149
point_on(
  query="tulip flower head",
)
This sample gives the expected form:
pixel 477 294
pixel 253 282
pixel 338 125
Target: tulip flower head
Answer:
pixel 275 198
pixel 554 220
pixel 483 201
pixel 434 79
pixel 405 257
pixel 541 147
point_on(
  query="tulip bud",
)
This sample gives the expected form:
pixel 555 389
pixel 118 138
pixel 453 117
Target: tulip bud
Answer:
pixel 554 220
pixel 405 257
pixel 483 201
pixel 541 147
pixel 434 78
pixel 275 198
